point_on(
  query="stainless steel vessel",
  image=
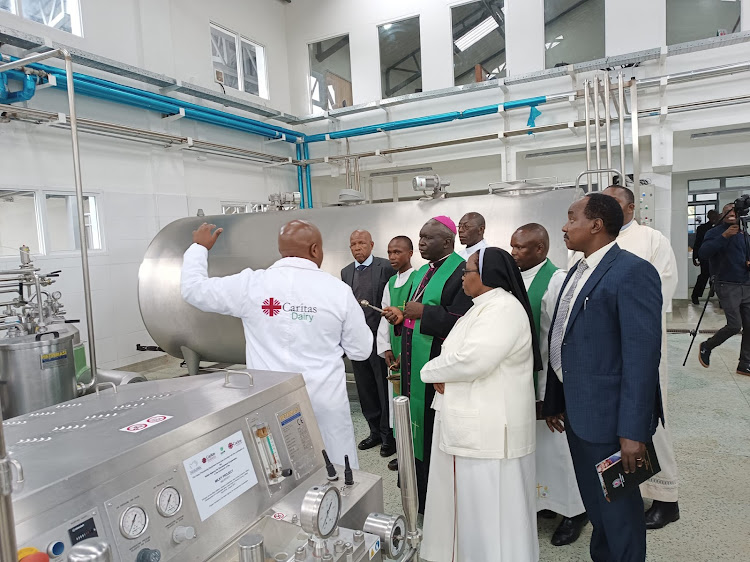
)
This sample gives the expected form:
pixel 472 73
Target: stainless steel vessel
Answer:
pixel 37 370
pixel 251 241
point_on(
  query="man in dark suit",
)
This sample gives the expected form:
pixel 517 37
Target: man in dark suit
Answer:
pixel 700 234
pixel 603 379
pixel 368 276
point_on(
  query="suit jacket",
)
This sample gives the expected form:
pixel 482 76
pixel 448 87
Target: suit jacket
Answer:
pixel 611 352
pixel 380 271
pixel 700 234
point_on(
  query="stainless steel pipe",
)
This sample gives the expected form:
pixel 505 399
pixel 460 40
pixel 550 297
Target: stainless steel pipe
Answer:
pixel 636 146
pixel 597 128
pixel 8 549
pixel 407 471
pixel 621 119
pixel 608 125
pixel 587 118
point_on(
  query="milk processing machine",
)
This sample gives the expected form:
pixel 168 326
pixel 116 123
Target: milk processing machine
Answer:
pixel 222 467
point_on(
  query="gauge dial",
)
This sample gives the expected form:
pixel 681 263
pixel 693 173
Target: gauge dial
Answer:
pixel 321 509
pixel 169 501
pixel 133 522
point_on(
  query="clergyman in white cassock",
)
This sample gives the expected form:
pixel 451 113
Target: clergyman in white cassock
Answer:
pixel 651 245
pixel 296 318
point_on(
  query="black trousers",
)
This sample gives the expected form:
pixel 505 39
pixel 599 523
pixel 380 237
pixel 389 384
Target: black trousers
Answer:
pixel 619 533
pixel 372 388
pixel 735 301
pixel 700 283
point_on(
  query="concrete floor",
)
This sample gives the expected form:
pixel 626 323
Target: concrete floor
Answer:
pixel 709 411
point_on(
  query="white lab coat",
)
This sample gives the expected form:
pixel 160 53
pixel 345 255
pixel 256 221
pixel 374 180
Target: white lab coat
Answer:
pixel 296 318
pixel 651 245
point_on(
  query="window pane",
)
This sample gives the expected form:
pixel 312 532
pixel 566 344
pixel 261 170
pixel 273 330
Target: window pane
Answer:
pixel 691 210
pixel 573 31
pixel 18 224
pixel 8 6
pixel 738 182
pixel 704 197
pixel 330 74
pixel 254 76
pixel 224 55
pixel 400 58
pixel 478 39
pixel 690 198
pixel 62 223
pixel 704 185
pixel 60 14
pixel 690 20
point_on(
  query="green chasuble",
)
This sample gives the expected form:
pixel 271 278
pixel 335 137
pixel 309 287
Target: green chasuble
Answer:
pixel 399 297
pixel 422 344
pixel 536 292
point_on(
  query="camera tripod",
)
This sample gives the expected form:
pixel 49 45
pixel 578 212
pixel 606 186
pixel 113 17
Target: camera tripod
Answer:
pixel 694 332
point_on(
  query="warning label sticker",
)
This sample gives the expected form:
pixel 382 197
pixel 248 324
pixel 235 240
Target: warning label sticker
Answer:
pixel 145 424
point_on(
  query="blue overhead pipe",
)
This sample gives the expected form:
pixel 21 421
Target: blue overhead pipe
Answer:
pixel 308 178
pixel 193 110
pixel 428 120
pixel 25 94
pixel 300 179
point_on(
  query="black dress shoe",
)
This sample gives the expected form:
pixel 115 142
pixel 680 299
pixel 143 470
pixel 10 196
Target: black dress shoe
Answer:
pixel 547 514
pixel 743 369
pixel 704 355
pixel 369 443
pixel 569 529
pixel 661 514
pixel 388 449
pixel 695 300
pixel 393 464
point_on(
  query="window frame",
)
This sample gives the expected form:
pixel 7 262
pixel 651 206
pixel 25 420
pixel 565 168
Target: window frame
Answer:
pixel 37 219
pixel 418 17
pixel 503 72
pixel 42 198
pixel 323 105
pixel 76 17
pixel 264 86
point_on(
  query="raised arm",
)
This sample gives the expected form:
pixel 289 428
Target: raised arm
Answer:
pixel 356 337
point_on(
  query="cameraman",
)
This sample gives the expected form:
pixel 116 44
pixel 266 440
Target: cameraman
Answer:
pixel 726 248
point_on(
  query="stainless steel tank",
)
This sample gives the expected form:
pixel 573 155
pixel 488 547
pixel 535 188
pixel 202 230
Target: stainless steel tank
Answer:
pixel 250 240
pixel 37 370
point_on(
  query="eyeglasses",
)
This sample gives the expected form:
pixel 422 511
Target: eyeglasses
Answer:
pixel 465 271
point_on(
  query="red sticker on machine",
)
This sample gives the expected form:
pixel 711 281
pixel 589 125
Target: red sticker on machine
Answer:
pixel 145 424
pixel 278 515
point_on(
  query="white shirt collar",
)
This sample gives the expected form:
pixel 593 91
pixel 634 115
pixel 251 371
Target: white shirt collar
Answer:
pixel 367 262
pixel 626 226
pixel 476 247
pixel 405 274
pixel 593 260
pixel 531 272
pixel 301 263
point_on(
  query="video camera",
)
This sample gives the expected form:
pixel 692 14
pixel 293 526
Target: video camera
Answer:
pixel 742 206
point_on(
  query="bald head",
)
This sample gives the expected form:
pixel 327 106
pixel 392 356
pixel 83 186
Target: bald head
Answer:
pixel 529 244
pixel 626 198
pixel 361 245
pixel 301 239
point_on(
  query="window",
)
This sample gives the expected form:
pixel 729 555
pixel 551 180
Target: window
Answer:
pixel 62 222
pixel 238 62
pixel 698 207
pixel 60 14
pixel 478 39
pixel 573 31
pixel 400 57
pixel 690 20
pixel 330 74
pixel 18 222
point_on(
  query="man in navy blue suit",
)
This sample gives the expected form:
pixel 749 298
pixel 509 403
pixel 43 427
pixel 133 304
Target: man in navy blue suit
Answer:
pixel 603 384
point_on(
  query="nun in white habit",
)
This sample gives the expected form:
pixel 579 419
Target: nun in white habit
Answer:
pixel 481 498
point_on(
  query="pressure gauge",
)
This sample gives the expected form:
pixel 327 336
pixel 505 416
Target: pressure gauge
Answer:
pixel 133 522
pixel 321 510
pixel 57 295
pixel 168 502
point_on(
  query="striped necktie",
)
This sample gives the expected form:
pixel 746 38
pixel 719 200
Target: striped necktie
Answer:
pixel 558 332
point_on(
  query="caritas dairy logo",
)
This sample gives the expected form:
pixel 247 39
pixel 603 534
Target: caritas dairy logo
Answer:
pixel 272 307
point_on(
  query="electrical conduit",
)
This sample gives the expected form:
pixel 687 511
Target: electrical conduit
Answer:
pixel 28 91
pixel 300 178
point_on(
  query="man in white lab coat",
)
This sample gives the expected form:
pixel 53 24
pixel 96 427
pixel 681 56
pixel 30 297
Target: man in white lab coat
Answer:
pixel 557 489
pixel 471 234
pixel 651 245
pixel 296 318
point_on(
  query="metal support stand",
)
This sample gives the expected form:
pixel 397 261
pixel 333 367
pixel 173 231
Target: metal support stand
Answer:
pixel 407 474
pixel 8 548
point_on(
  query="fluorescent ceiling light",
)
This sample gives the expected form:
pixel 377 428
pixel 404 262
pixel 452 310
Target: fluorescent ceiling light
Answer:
pixel 480 31
pixel 695 136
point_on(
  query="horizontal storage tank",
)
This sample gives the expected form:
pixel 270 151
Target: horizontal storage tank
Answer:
pixel 250 240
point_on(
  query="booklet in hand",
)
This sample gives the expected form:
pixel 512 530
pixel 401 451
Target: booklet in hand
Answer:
pixel 615 483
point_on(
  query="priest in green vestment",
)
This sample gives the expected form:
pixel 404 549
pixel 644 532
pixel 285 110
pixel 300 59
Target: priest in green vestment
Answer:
pixel 435 304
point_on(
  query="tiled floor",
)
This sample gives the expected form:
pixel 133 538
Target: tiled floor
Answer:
pixel 709 410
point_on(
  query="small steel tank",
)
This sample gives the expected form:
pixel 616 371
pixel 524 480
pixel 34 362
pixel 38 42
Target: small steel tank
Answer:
pixel 37 370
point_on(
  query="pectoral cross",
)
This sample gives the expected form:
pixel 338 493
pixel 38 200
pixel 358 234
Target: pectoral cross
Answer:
pixel 414 426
